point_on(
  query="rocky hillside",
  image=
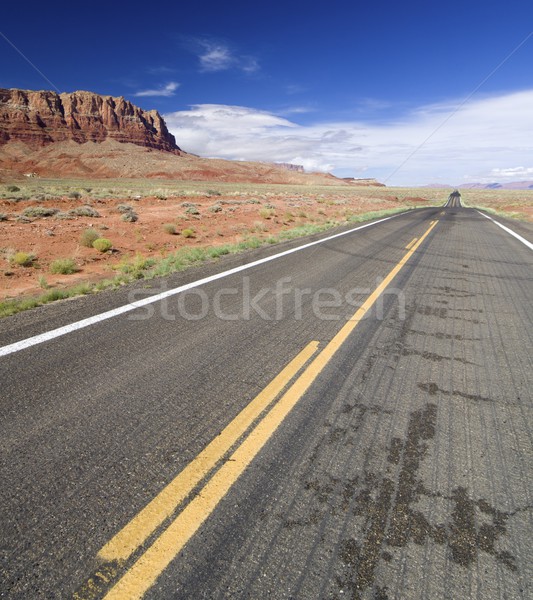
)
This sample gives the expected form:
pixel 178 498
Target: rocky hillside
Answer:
pixel 42 118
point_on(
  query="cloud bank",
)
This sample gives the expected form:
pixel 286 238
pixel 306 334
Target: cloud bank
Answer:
pixel 485 140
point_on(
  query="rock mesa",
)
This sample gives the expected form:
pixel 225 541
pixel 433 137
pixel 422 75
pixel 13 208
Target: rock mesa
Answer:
pixel 39 118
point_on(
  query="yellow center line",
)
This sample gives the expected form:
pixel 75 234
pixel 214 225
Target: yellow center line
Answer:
pixel 145 571
pixel 411 244
pixel 128 539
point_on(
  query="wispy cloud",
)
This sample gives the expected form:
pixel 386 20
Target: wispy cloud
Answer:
pixel 165 91
pixel 485 138
pixel 220 56
pixel 513 173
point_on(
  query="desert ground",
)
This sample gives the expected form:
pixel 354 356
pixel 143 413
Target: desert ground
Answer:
pixel 43 222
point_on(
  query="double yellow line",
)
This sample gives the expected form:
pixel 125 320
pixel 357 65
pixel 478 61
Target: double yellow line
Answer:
pixel 224 473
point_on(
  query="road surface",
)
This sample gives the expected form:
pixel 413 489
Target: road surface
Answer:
pixel 352 419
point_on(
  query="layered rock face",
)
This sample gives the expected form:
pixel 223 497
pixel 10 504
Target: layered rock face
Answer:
pixel 44 117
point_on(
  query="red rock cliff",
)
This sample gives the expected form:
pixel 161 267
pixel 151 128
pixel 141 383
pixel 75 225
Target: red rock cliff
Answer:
pixel 41 118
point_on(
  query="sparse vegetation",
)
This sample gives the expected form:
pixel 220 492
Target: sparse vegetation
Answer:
pixel 38 212
pixel 43 284
pixel 102 244
pixel 169 228
pixel 63 266
pixel 130 217
pixel 88 237
pixel 267 213
pixel 22 259
pixel 188 233
pixel 84 211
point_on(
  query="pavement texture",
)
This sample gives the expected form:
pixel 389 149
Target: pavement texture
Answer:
pixel 404 471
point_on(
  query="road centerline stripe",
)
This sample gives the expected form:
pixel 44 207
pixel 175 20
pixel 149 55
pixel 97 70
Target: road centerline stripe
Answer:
pixel 130 537
pixel 145 571
pixel 411 244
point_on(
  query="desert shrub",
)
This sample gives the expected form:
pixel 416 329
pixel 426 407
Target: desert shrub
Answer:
pixel 88 237
pixel 216 208
pixel 64 216
pixel 169 228
pixel 192 210
pixel 40 211
pixel 266 213
pixel 130 217
pixel 43 284
pixel 102 244
pixel 124 208
pixel 63 266
pixel 213 193
pixel 3 217
pixel 188 233
pixel 23 259
pixel 259 226
pixel 13 188
pixel 74 195
pixel 84 211
pixel 188 205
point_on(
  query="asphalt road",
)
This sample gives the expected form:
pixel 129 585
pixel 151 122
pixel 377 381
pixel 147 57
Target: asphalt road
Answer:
pixel 294 432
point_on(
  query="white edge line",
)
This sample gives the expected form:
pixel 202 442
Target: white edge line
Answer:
pixel 514 234
pixel 60 331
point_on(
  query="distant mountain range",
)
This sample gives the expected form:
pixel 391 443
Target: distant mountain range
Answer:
pixel 512 185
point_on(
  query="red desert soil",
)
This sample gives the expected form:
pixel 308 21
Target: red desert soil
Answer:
pixel 51 238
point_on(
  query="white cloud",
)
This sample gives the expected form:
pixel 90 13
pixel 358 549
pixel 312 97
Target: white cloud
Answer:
pixel 164 91
pixel 513 172
pixel 218 56
pixel 484 138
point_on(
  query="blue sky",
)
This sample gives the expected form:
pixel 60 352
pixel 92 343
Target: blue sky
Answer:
pixel 355 88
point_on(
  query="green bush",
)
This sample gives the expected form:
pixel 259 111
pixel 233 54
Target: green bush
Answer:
pixel 216 208
pixel 130 217
pixel 188 233
pixel 169 228
pixel 23 259
pixel 63 266
pixel 88 237
pixel 192 210
pixel 40 211
pixel 102 244
pixel 84 211
pixel 13 188
pixel 124 208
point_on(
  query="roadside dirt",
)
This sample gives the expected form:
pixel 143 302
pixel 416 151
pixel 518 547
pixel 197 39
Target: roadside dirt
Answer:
pixel 220 220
